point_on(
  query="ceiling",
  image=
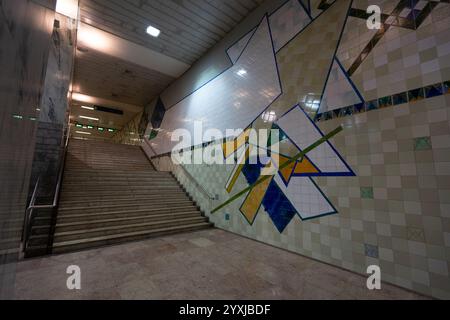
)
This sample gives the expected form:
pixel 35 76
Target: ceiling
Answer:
pixel 101 75
pixel 106 120
pixel 117 62
pixel 188 27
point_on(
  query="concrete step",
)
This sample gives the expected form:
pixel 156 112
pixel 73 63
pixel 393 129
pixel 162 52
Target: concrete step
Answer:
pixel 9 243
pixel 126 207
pixel 108 194
pixel 91 186
pixel 108 157
pixel 125 200
pixel 63 225
pixel 74 245
pixel 74 177
pixel 79 215
pixel 88 174
pixel 122 190
pixel 111 193
pixel 114 230
pixel 70 181
pixel 117 172
pixel 113 165
pixel 12 232
pixel 9 255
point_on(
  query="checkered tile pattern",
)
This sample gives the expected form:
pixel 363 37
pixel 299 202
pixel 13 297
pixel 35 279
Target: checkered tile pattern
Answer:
pixel 394 214
pixel 403 59
pixel 130 133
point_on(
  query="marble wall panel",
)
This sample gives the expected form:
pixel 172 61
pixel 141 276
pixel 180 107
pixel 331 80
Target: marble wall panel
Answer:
pixel 25 33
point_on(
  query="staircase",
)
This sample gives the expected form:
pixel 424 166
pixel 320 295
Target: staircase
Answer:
pixel 112 194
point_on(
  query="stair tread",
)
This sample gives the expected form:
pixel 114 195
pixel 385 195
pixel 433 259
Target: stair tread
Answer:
pixel 109 206
pixel 169 215
pixel 112 193
pixel 79 215
pixel 111 228
pixel 66 202
pixel 128 234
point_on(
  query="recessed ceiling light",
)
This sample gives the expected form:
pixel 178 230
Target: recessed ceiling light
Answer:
pixel 89 118
pixel 154 32
pixel 82 132
pixel 87 108
pixel 241 72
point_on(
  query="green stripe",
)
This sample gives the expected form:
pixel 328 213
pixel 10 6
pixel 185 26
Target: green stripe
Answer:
pixel 284 165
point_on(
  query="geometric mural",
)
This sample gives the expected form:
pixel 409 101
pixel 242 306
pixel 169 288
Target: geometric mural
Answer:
pixel 231 100
pixel 324 76
pixel 291 190
pixel 339 91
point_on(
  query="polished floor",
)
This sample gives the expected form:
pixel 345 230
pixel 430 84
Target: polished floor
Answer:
pixel 209 264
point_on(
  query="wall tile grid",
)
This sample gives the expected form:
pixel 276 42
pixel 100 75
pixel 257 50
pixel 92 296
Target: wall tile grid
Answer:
pixel 130 133
pixel 386 174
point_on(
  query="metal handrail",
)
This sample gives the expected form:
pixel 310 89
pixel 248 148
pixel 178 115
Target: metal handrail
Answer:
pixel 33 206
pixel 191 177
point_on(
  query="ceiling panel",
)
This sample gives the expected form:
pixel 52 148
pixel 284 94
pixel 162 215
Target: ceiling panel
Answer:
pixel 188 27
pixel 100 75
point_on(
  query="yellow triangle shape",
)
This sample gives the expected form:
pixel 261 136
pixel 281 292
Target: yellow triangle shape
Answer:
pixel 232 146
pixel 305 166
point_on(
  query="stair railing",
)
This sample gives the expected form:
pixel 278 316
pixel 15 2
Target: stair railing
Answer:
pixel 32 206
pixel 191 177
pixel 186 173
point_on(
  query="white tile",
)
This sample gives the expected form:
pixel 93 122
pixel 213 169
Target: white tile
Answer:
pixel 235 51
pixel 286 22
pixel 338 91
pixel 440 142
pixel 305 197
pixel 232 100
pixel 438 266
pixel 301 130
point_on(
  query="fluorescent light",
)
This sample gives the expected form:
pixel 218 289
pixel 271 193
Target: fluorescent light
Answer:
pixel 89 118
pixel 242 72
pixel 87 108
pixel 82 132
pixel 154 32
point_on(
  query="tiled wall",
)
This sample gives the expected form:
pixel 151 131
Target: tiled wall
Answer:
pixel 378 192
pixel 25 33
pixel 130 132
